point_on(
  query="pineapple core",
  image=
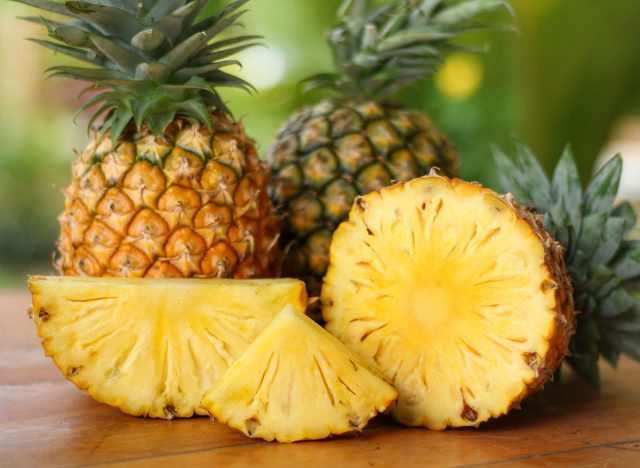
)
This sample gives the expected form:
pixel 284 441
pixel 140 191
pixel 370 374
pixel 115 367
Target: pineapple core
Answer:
pixel 152 347
pixel 452 291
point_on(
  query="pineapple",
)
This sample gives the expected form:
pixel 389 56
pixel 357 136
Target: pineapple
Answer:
pixel 170 185
pixel 457 294
pixel 328 154
pixel 602 252
pixel 152 347
pixel 298 382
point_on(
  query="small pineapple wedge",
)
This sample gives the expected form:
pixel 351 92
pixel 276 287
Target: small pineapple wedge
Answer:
pixel 457 294
pixel 297 382
pixel 152 347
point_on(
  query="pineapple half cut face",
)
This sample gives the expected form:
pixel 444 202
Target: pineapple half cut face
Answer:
pixel 152 347
pixel 455 293
pixel 298 382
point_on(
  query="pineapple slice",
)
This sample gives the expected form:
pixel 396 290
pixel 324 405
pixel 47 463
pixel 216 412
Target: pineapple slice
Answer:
pixel 298 382
pixel 151 347
pixel 457 294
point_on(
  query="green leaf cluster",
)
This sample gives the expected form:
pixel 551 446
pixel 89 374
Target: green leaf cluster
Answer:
pixel 148 60
pixel 381 50
pixel 604 262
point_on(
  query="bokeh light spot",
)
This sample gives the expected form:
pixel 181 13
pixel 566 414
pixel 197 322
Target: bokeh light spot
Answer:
pixel 263 67
pixel 460 77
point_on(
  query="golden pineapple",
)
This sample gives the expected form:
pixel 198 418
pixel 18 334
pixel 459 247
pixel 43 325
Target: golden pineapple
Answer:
pixel 457 294
pixel 152 347
pixel 189 203
pixel 298 382
pixel 170 186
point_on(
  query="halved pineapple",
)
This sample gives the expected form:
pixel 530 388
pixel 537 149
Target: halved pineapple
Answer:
pixel 457 294
pixel 152 347
pixel 298 382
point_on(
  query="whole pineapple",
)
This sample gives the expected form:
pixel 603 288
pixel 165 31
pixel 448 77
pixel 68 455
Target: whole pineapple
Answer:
pixel 171 185
pixel 327 155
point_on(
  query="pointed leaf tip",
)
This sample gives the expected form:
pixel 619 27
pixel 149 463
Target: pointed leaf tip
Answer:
pixel 603 189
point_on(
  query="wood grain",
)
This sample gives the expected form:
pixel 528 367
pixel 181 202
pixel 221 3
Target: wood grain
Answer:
pixel 46 421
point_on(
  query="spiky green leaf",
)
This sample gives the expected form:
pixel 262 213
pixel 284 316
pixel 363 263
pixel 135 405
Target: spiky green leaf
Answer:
pixel 125 60
pixel 380 50
pixel 468 10
pixel 152 60
pixel 88 56
pixel 603 189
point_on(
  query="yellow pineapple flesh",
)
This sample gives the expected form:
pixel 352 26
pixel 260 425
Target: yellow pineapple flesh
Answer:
pixel 298 382
pixel 152 347
pixel 457 294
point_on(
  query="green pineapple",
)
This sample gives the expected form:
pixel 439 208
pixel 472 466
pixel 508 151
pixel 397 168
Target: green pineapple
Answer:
pixel 602 257
pixel 327 155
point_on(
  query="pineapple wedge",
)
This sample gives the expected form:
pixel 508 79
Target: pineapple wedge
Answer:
pixel 151 347
pixel 298 382
pixel 457 294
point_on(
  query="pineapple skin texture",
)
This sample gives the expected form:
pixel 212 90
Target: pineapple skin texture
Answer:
pixel 192 203
pixel 442 380
pixel 153 347
pixel 327 155
pixel 298 382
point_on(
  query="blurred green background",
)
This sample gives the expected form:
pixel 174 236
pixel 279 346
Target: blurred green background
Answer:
pixel 569 75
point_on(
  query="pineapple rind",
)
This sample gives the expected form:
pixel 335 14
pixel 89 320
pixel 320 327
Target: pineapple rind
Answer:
pixel 152 347
pixel 190 203
pixel 429 241
pixel 298 382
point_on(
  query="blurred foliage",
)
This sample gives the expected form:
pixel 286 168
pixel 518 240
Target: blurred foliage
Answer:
pixel 568 75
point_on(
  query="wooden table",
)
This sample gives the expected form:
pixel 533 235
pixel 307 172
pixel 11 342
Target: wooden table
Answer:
pixel 46 421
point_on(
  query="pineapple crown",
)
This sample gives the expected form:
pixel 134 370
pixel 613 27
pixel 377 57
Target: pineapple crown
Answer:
pixel 150 60
pixel 603 262
pixel 381 50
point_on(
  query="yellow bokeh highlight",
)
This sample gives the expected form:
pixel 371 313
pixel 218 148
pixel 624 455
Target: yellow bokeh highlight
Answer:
pixel 460 77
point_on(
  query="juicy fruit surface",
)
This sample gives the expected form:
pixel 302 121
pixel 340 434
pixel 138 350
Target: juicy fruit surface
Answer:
pixel 298 382
pixel 190 203
pixel 454 294
pixel 327 155
pixel 153 347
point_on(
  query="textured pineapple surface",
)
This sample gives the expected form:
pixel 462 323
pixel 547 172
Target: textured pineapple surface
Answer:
pixel 152 347
pixel 191 202
pixel 328 154
pixel 298 382
pixel 457 294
